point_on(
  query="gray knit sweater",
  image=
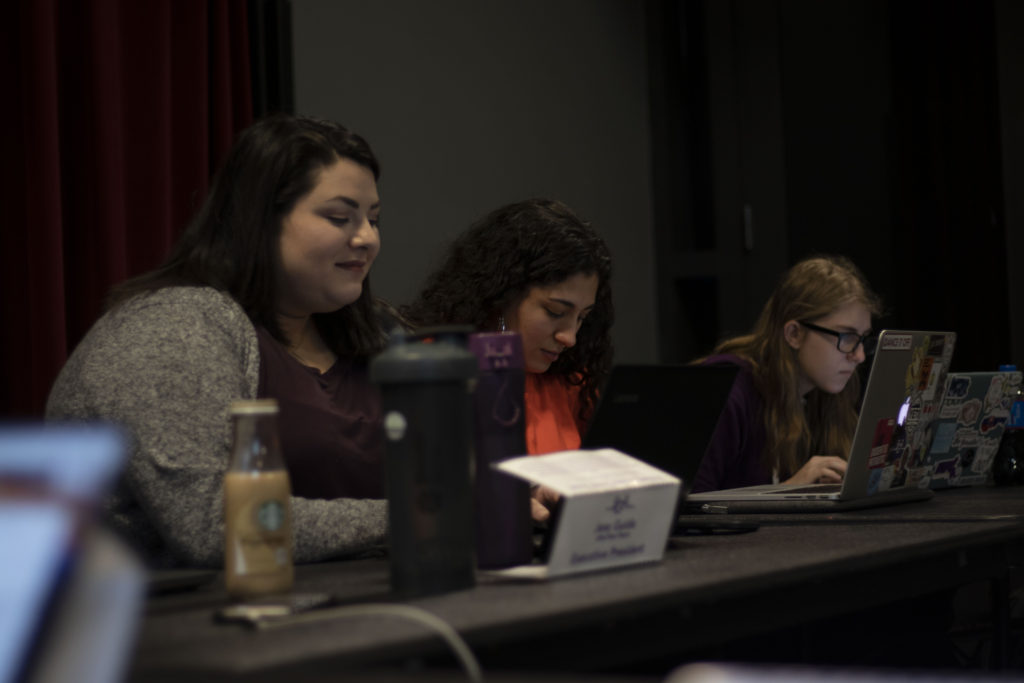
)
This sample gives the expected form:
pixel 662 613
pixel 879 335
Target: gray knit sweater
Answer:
pixel 166 366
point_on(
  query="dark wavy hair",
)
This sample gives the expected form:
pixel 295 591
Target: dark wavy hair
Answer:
pixel 232 244
pixel 496 262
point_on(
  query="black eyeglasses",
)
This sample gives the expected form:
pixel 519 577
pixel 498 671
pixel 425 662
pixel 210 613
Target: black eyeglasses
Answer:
pixel 846 342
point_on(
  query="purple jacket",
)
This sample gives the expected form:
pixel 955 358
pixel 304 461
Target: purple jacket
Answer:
pixel 734 455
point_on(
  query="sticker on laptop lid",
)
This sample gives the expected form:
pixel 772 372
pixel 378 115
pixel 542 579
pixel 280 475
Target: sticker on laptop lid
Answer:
pixel 880 444
pixel 947 351
pixel 919 477
pixel 969 412
pixel 994 395
pixel 874 477
pixel 945 469
pixel 912 377
pixel 931 381
pixel 943 439
pixel 884 480
pixel 925 375
pixel 991 422
pixel 958 387
pixel 897 342
pixel 950 409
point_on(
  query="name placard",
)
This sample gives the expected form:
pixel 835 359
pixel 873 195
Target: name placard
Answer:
pixel 615 510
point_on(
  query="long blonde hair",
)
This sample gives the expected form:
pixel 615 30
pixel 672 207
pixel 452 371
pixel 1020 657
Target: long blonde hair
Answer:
pixel 811 289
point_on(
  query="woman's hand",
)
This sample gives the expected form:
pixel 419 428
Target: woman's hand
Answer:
pixel 542 499
pixel 820 469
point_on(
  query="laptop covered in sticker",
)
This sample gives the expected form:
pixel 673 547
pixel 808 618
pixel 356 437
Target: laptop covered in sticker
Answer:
pixel 965 436
pixel 901 399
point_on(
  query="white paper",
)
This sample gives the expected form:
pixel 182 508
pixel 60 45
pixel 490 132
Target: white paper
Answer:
pixel 577 472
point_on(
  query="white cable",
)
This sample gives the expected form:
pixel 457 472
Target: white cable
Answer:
pixel 418 614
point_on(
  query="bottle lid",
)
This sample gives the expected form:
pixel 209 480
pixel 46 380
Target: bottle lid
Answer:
pixel 428 355
pixel 259 406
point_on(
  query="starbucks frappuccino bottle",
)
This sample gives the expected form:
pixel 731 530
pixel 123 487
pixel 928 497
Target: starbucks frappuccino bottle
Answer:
pixel 257 505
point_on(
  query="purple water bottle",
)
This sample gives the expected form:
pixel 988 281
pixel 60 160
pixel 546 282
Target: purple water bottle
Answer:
pixel 504 529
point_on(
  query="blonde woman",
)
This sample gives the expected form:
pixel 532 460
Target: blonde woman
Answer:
pixel 792 410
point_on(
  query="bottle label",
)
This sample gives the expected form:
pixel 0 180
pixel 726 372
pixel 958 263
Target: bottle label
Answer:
pixel 257 524
pixel 1017 415
pixel 260 546
pixel 270 515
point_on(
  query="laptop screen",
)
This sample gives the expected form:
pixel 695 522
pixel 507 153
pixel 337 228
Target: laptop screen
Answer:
pixel 664 415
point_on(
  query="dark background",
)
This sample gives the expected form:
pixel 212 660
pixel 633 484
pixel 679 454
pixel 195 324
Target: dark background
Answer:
pixel 712 142
pixel 872 129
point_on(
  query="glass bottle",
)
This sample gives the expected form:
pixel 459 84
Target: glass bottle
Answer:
pixel 257 505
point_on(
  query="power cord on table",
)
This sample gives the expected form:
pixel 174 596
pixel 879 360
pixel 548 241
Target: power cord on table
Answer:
pixel 459 647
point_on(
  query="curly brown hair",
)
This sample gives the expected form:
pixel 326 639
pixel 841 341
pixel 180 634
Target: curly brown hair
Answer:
pixel 496 262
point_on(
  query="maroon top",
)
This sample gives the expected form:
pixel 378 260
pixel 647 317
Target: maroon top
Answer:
pixel 330 424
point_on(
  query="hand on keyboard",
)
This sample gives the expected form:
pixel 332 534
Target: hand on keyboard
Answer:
pixel 820 469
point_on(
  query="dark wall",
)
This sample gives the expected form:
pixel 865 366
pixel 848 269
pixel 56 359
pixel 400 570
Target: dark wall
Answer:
pixel 713 142
pixel 1010 53
pixel 949 203
pixel 890 123
pixel 892 139
pixel 473 105
pixel 837 113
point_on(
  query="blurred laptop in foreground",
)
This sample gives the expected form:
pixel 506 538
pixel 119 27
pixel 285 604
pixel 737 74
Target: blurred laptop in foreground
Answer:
pixel 72 593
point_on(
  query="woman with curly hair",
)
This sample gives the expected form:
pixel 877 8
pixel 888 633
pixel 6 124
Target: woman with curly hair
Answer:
pixel 792 411
pixel 536 268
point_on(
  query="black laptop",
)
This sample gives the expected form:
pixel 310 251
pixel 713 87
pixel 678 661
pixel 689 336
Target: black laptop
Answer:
pixel 664 415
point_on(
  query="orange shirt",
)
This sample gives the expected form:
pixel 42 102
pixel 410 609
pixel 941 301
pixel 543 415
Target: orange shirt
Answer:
pixel 551 406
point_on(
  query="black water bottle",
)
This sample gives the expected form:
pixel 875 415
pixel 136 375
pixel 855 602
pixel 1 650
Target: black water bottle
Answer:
pixel 1008 467
pixel 426 383
pixel 504 529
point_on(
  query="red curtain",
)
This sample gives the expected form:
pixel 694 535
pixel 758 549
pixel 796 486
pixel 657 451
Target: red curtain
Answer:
pixel 116 113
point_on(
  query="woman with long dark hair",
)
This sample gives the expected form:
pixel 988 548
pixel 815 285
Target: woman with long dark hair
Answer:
pixel 265 295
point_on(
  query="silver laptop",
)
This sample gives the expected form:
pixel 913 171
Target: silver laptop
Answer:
pixel 904 389
pixel 965 435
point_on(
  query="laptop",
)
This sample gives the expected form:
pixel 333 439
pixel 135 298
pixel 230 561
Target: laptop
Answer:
pixel 71 594
pixel 965 435
pixel 901 398
pixel 664 415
